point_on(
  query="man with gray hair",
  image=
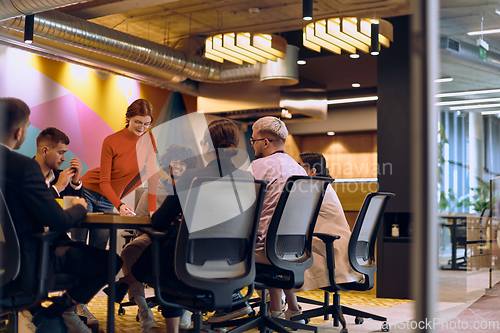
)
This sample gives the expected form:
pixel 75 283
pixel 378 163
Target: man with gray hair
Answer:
pixel 273 165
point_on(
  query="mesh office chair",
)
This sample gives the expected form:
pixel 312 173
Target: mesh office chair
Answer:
pixel 362 259
pixel 215 247
pixel 288 249
pixel 12 297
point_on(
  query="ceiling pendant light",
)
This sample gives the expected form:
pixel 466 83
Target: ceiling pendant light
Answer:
pixel 239 47
pixel 307 10
pixel 348 34
pixel 29 24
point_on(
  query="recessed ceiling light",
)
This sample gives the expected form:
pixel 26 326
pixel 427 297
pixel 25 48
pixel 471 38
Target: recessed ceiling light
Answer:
pixel 354 56
pixel 355 85
pixel 375 53
pixel 301 62
pixel 444 79
pixel 331 133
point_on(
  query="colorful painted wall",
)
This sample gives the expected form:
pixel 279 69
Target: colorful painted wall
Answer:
pixel 86 104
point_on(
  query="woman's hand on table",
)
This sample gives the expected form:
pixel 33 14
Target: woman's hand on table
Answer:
pixel 126 210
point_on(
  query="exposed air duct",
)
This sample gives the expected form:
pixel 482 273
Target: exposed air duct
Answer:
pixel 14 8
pixel 72 31
pixel 468 55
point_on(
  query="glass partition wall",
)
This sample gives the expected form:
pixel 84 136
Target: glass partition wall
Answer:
pixel 468 151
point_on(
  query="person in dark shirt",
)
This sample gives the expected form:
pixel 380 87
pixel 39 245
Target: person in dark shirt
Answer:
pixel 32 207
pixel 51 147
pixel 218 146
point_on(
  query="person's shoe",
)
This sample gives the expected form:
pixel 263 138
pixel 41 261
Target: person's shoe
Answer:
pixel 146 319
pixel 83 311
pixel 185 320
pixel 25 323
pixel 240 311
pixel 74 323
pixel 121 291
pixel 49 325
pixel 289 314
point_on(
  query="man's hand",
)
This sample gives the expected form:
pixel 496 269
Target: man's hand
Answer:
pixel 79 201
pixel 64 178
pixel 78 168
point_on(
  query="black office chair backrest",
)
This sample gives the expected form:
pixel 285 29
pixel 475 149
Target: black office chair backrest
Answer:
pixel 216 241
pixel 364 235
pixel 289 236
pixel 485 215
pixel 10 251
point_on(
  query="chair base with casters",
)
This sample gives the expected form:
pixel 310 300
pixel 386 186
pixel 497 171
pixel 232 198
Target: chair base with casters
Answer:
pixel 263 321
pixel 337 311
pixel 362 260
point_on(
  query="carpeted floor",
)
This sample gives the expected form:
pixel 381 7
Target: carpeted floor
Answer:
pixel 127 322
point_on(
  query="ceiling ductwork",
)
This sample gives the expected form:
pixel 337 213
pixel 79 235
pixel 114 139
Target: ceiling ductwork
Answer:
pixel 72 31
pixel 14 8
pixel 468 55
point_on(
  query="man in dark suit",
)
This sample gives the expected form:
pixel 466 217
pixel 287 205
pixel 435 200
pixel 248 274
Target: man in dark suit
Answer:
pixel 32 207
pixel 51 147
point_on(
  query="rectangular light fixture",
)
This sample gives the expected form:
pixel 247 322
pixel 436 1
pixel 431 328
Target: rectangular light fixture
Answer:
pixel 466 93
pixel 490 112
pixel 444 79
pixel 484 32
pixel 468 101
pixel 352 100
pixel 471 107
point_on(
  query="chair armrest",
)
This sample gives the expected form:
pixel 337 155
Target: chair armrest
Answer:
pixel 330 255
pixel 154 234
pixel 245 298
pixel 326 238
pixel 48 236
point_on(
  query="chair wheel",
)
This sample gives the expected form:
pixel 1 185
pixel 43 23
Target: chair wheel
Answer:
pixel 121 311
pixel 385 327
pixel 359 320
pixel 252 314
pixel 137 318
pixel 344 330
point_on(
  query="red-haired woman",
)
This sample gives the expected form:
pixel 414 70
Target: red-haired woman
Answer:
pixel 127 158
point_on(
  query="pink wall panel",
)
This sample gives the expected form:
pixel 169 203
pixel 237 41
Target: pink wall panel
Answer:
pixel 83 126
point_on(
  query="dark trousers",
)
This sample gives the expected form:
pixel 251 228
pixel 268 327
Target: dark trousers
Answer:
pixel 87 263
pixel 144 267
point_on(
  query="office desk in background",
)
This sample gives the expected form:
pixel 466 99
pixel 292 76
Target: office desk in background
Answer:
pixel 113 223
pixel 455 222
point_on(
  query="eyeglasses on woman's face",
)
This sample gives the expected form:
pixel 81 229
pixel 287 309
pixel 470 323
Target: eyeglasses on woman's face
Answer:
pixel 141 124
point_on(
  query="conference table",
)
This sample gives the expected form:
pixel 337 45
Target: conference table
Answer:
pixel 113 222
